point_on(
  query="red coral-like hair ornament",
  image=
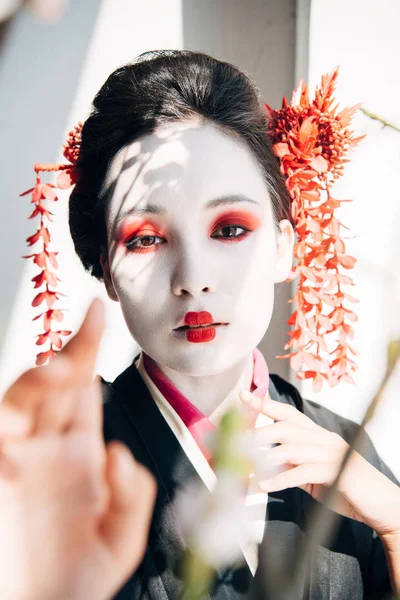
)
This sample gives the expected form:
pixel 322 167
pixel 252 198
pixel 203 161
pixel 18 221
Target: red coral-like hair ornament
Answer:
pixel 312 140
pixel 46 281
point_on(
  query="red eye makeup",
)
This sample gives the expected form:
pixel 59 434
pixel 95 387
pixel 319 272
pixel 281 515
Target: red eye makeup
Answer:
pixel 137 227
pixel 139 234
pixel 236 218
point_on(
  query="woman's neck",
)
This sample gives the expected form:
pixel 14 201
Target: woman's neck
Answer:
pixel 207 392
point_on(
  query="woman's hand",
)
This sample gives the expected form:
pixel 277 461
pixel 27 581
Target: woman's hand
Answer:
pixel 74 514
pixel 310 458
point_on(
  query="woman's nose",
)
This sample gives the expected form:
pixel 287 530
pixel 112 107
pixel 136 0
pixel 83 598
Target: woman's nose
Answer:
pixel 193 276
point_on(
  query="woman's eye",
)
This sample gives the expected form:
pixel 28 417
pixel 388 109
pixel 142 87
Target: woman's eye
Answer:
pixel 142 243
pixel 145 243
pixel 230 232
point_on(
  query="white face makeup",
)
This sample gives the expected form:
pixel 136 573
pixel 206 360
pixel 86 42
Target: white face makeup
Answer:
pixel 202 239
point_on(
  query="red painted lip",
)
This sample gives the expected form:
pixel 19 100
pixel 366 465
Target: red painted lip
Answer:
pixel 199 335
pixel 198 318
pixel 194 319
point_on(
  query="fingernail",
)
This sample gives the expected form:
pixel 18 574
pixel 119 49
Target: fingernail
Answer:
pixel 263 485
pixel 246 396
pixel 249 398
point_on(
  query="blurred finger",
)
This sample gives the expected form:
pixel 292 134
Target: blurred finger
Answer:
pixel 88 408
pixel 82 349
pixel 46 393
pixel 13 422
pixel 8 471
pixel 55 413
pixel 67 469
pixel 132 496
pixel 30 390
pixel 73 407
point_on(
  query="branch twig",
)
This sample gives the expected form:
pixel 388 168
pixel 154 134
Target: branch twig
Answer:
pixel 375 117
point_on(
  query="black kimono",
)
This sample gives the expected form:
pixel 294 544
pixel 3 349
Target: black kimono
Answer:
pixel 352 567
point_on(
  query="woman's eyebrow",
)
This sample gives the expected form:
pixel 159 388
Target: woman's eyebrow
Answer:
pixel 158 210
pixel 231 199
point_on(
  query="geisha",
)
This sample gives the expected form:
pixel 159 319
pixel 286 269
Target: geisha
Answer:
pixel 180 207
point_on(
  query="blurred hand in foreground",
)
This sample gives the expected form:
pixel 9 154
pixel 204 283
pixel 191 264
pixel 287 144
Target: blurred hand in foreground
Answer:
pixel 74 513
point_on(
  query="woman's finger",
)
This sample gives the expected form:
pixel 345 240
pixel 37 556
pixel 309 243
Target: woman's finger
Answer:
pixel 28 392
pixel 13 422
pixel 132 496
pixel 298 454
pixel 78 403
pixel 68 470
pixel 301 476
pixel 88 409
pixel 81 351
pixel 313 479
pixel 47 394
pixel 278 411
pixel 282 432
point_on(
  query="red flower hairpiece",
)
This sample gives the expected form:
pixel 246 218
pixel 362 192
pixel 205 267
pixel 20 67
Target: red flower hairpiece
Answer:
pixel 312 139
pixel 45 258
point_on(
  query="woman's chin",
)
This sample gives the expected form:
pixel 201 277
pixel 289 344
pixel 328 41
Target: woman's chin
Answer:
pixel 200 358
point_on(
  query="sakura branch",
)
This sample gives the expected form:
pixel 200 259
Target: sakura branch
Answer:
pixel 375 117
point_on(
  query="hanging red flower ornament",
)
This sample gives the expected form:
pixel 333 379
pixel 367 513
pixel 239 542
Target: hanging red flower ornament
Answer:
pixel 312 140
pixel 45 258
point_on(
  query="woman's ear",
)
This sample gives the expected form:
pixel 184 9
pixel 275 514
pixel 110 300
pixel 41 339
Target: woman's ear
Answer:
pixel 107 276
pixel 285 246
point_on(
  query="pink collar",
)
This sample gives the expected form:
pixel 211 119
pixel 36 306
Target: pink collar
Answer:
pixel 197 423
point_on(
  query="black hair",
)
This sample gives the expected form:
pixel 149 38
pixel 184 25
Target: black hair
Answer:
pixel 158 88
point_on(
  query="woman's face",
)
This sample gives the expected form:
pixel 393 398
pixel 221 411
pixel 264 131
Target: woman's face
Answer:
pixel 190 229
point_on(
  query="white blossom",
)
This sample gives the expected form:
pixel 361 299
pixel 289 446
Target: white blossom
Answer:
pixel 213 524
